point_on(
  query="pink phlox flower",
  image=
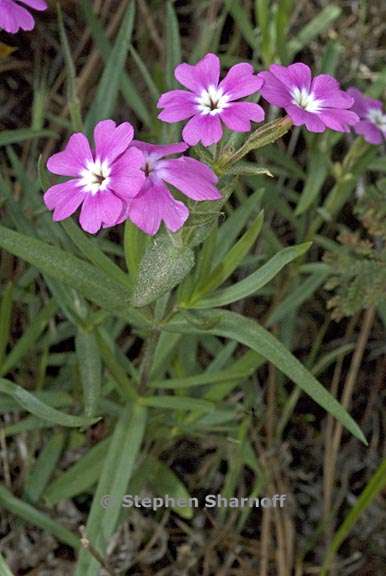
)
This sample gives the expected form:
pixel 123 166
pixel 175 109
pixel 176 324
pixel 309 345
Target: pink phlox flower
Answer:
pixel 13 15
pixel 101 182
pixel 317 102
pixel 208 101
pixel 155 204
pixel 372 123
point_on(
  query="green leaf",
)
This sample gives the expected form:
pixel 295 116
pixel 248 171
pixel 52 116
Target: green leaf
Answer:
pixel 117 470
pixel 90 249
pixel 16 136
pixel 128 88
pixel 300 294
pixel 163 266
pixel 162 481
pixel 80 477
pixel 90 368
pixel 173 45
pixel 32 404
pixel 317 173
pixel 376 484
pixel 108 88
pixel 200 379
pixel 36 518
pixel 232 260
pixel 90 282
pixel 319 24
pixel 255 281
pixel 43 468
pixel 135 243
pixel 26 343
pixel 4 570
pixel 251 334
pixel 177 403
pixel 243 21
pixel 247 169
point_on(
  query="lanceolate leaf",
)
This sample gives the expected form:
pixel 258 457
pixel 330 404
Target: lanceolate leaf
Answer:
pixel 36 407
pixel 117 470
pixel 251 334
pixel 255 281
pixel 90 282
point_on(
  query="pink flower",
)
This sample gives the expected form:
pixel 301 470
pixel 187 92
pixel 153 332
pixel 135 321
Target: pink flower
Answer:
pixel 155 203
pixel 13 16
pixel 372 124
pixel 208 101
pixel 102 182
pixel 316 102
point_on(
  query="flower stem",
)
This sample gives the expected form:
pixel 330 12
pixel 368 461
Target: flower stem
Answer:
pixel 263 136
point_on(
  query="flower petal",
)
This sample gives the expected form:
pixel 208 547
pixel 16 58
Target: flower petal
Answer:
pixel 160 150
pixel 191 180
pixel 238 115
pixel 339 120
pixel 274 91
pixel 299 116
pixel 35 4
pixel 295 75
pixel 240 81
pixel 13 17
pixel 371 133
pixel 326 89
pixel 74 157
pixel 362 103
pixel 127 176
pixel 206 129
pixel 199 76
pixel 178 104
pixel 155 204
pixel 111 140
pixel 64 199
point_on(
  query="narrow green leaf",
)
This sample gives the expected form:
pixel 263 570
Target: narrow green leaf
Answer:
pixel 90 249
pixel 255 281
pixel 376 484
pixel 201 379
pixel 243 21
pixel 300 294
pixel 90 282
pixel 43 468
pixel 162 481
pixel 177 403
pixel 108 88
pixel 128 88
pixel 4 570
pixel 317 173
pixel 90 368
pixel 36 518
pixel 319 24
pixel 117 470
pixel 251 334
pixel 78 478
pixel 232 260
pixel 173 45
pixel 16 136
pixel 32 404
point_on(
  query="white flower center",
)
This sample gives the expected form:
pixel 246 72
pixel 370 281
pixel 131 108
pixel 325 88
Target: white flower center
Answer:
pixel 305 99
pixel 376 116
pixel 95 177
pixel 212 101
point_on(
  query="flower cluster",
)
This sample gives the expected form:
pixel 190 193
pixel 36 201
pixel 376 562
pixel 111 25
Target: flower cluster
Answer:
pixel 14 16
pixel 128 179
